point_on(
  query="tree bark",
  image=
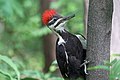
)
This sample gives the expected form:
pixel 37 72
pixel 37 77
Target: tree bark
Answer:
pixel 48 41
pixel 98 36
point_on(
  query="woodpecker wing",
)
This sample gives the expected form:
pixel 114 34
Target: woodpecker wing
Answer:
pixel 61 60
pixel 82 40
pixel 70 55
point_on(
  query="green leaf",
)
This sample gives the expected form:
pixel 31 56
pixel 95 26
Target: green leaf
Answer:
pixel 53 66
pixel 11 64
pixel 99 67
pixel 116 55
pixel 30 79
pixel 54 62
pixel 114 61
pixel 115 70
pixel 6 74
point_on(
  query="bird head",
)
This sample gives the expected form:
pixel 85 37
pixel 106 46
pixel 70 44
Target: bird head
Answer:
pixel 55 21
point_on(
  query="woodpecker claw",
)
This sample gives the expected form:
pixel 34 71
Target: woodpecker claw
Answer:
pixel 85 67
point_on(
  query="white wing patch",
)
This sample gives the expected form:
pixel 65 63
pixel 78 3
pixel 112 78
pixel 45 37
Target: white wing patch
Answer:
pixel 83 41
pixel 61 41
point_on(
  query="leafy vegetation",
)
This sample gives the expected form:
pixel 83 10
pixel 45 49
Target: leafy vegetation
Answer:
pixel 26 74
pixel 11 64
pixel 112 66
pixel 21 32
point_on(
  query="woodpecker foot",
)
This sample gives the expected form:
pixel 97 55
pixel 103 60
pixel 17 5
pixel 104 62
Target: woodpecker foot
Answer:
pixel 85 67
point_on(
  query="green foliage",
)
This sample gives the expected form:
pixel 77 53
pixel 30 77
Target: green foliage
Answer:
pixel 12 65
pixel 33 75
pixel 112 66
pixel 21 36
pixel 25 74
pixel 21 30
pixel 99 67
pixel 115 70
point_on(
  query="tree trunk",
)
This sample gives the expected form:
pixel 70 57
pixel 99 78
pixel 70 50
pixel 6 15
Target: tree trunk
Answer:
pixel 98 36
pixel 115 42
pixel 86 4
pixel 48 41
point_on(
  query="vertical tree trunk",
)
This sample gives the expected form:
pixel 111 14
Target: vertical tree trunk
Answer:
pixel 115 42
pixel 98 36
pixel 48 41
pixel 86 4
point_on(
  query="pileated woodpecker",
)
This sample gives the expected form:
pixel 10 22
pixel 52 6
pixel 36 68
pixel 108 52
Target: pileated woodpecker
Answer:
pixel 70 49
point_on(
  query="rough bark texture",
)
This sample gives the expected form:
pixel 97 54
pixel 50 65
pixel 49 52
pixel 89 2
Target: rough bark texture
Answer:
pixel 48 41
pixel 99 32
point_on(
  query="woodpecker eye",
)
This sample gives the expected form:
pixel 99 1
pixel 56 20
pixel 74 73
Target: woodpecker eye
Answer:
pixel 52 21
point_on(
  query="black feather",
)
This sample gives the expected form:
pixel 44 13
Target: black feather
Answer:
pixel 76 56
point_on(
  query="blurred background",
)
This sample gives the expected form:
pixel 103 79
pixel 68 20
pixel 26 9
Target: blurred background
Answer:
pixel 28 43
pixel 28 46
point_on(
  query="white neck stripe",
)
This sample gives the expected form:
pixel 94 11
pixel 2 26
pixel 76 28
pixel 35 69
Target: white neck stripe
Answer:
pixel 55 23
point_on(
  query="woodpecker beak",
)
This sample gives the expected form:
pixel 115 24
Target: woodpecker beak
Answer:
pixel 68 17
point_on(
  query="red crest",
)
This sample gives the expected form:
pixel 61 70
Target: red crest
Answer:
pixel 47 15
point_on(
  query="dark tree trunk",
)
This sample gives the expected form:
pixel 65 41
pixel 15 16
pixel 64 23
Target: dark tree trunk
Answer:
pixel 99 33
pixel 49 50
pixel 48 41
